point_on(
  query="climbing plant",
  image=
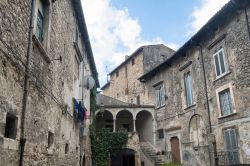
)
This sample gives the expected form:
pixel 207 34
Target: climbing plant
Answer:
pixel 105 143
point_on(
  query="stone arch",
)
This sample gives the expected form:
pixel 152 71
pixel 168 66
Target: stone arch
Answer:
pixel 124 119
pixel 104 119
pixel 144 126
pixel 150 112
pixel 197 131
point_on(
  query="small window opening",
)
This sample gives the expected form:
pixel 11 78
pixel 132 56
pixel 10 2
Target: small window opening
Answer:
pixel 133 61
pixel 10 127
pixel 160 134
pixel 117 74
pixel 138 100
pixel 66 148
pixel 50 139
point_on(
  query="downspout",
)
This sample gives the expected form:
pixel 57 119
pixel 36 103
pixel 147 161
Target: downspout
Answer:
pixel 26 85
pixel 247 22
pixel 81 126
pixel 216 159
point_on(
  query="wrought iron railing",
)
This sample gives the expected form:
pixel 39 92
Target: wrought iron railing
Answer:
pixel 226 158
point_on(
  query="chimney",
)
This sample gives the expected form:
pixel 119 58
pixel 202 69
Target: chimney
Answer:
pixel 126 57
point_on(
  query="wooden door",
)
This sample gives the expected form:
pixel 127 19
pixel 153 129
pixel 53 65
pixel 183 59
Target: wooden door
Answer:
pixel 175 150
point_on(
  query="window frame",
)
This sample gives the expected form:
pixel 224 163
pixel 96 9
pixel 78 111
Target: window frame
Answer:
pixel 232 150
pixel 218 91
pixel 10 123
pixel 160 95
pixel 188 89
pixel 219 63
pixel 160 134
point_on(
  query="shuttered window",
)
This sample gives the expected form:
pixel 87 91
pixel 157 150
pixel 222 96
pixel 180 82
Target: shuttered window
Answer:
pixel 225 102
pixel 231 146
pixel 188 89
pixel 220 62
pixel 160 96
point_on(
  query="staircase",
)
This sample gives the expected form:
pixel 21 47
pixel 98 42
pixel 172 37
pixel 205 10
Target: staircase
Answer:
pixel 151 153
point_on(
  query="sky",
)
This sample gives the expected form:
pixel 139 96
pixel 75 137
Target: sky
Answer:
pixel 118 27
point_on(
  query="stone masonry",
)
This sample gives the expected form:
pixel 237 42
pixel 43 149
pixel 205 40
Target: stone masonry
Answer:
pixel 187 132
pixel 50 129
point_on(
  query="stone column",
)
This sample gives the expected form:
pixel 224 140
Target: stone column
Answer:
pixel 114 125
pixel 134 128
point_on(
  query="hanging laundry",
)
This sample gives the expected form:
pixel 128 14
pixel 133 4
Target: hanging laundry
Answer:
pixel 75 113
pixel 80 112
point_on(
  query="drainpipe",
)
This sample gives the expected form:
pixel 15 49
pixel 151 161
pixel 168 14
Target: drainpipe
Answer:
pixel 26 85
pixel 216 159
pixel 247 22
pixel 81 126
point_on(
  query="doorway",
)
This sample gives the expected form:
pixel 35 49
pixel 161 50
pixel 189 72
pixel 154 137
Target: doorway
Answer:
pixel 175 150
pixel 126 157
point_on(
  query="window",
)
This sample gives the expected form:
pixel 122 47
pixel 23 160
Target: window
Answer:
pixel 42 21
pixel 133 62
pixel 138 100
pixel 76 36
pixel 231 146
pixel 188 89
pixel 160 134
pixel 39 26
pixel 159 96
pixel 117 74
pixel 66 148
pixel 225 102
pixel 50 139
pixel 10 126
pixel 220 62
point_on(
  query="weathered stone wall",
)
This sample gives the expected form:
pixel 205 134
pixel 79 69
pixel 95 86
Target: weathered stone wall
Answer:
pixel 153 55
pixel 126 86
pixel 175 117
pixel 236 46
pixel 52 84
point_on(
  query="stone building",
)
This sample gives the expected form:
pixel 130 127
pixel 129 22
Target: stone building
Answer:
pixel 44 51
pixel 125 103
pixel 200 96
pixel 206 85
pixel 124 84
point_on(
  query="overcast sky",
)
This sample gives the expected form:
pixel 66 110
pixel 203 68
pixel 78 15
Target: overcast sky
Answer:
pixel 118 27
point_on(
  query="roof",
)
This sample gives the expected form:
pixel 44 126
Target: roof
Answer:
pixel 128 59
pixel 83 28
pixel 105 85
pixel 137 51
pixel 232 5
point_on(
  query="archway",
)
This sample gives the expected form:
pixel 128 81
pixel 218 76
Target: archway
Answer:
pixel 104 120
pixel 124 119
pixel 126 157
pixel 144 126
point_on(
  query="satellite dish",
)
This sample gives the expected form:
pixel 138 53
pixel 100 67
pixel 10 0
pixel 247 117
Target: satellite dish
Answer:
pixel 88 82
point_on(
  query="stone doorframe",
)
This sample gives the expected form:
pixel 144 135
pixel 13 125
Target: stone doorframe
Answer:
pixel 169 135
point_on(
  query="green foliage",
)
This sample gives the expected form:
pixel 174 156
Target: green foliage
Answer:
pixel 93 106
pixel 105 143
pixel 170 164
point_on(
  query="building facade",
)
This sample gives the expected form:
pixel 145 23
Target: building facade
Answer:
pixel 206 87
pixel 199 94
pixel 45 55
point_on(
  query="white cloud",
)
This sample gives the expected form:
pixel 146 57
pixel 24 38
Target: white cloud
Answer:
pixel 201 14
pixel 113 34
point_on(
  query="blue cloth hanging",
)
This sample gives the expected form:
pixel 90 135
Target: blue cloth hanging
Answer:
pixel 76 111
